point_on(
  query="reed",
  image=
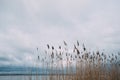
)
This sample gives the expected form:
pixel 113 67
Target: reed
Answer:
pixel 80 64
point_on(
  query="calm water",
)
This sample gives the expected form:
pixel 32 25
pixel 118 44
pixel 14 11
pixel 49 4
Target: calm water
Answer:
pixel 22 77
pixel 33 77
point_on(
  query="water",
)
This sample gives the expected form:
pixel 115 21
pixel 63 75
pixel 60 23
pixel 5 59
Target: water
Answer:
pixel 37 77
pixel 22 77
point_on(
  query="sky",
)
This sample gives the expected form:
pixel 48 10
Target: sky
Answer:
pixel 27 24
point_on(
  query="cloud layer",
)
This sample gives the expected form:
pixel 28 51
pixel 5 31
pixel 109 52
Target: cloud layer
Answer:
pixel 27 24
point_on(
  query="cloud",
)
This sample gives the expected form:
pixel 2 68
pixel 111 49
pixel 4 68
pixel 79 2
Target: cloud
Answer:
pixel 27 24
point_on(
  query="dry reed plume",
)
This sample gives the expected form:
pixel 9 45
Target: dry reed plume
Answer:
pixel 80 64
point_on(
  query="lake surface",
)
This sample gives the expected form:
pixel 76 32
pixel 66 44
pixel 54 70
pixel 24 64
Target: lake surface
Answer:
pixel 22 77
pixel 33 77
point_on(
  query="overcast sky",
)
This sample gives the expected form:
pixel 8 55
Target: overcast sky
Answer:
pixel 27 24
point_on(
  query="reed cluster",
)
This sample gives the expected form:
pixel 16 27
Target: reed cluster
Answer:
pixel 79 64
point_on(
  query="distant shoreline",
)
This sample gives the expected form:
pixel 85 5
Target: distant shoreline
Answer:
pixel 33 74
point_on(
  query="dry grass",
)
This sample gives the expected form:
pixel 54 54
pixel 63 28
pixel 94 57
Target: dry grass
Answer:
pixel 87 65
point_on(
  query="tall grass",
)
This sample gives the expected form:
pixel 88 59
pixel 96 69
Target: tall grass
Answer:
pixel 80 64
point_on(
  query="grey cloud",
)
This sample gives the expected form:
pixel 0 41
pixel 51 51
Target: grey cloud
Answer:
pixel 4 59
pixel 27 24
